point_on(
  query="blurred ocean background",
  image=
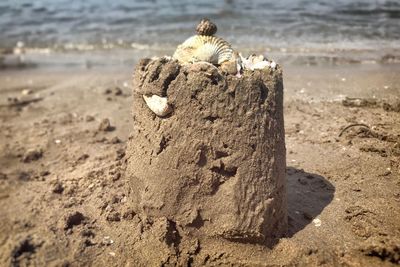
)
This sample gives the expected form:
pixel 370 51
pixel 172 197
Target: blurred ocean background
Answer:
pixel 293 31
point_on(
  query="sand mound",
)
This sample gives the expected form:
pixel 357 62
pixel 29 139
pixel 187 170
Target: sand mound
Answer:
pixel 215 166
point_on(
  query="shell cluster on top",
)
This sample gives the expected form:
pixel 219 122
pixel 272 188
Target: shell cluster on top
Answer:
pixel 206 47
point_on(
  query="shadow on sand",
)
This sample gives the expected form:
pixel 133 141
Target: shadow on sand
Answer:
pixel 308 194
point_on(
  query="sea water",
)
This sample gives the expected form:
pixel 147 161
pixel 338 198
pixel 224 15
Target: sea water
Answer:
pixel 357 30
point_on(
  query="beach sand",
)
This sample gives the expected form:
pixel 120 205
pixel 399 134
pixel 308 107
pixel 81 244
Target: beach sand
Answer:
pixel 65 202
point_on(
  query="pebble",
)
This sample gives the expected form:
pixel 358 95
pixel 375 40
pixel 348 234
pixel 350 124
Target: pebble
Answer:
pixel 128 214
pixel 120 153
pixel 387 172
pixel 58 188
pixel 317 222
pixel 114 216
pixel 89 118
pixel 105 125
pixel 32 155
pixel 107 241
pixel 116 176
pixel 26 92
pixel 117 91
pixel 115 140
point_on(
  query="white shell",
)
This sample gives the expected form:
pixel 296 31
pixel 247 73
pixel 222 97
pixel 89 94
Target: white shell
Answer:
pixel 210 49
pixel 254 62
pixel 256 59
pixel 261 65
pixel 159 105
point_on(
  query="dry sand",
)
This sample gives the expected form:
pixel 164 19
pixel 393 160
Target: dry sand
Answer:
pixel 65 202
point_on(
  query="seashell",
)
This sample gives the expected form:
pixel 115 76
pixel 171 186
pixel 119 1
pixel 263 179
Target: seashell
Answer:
pixel 210 49
pixel 159 105
pixel 254 62
pixel 245 63
pixel 229 67
pixel 256 59
pixel 261 65
pixel 206 27
pixel 233 66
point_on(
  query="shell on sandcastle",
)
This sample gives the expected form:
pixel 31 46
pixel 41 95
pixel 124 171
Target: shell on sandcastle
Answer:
pixel 204 47
pixel 159 105
pixel 254 62
pixel 210 49
pixel 206 27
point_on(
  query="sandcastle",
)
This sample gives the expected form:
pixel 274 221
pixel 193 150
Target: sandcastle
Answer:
pixel 207 150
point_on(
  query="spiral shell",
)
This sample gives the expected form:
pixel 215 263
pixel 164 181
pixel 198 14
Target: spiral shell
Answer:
pixel 206 27
pixel 210 49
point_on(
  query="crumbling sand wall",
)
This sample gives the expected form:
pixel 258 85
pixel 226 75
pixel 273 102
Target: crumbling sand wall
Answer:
pixel 216 164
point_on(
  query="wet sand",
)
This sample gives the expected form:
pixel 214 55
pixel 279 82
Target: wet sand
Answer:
pixel 65 202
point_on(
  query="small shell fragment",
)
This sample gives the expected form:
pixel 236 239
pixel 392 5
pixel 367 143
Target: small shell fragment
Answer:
pixel 159 105
pixel 261 65
pixel 256 59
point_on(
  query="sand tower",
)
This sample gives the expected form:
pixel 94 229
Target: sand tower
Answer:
pixel 207 150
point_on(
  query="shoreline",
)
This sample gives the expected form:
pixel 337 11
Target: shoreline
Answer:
pixel 26 58
pixel 307 82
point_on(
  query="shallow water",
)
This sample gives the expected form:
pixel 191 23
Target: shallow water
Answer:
pixel 359 29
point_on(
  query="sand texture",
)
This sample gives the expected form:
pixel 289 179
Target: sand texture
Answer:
pixel 65 147
pixel 216 165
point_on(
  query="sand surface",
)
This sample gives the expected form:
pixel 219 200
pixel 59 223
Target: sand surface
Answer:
pixel 65 202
